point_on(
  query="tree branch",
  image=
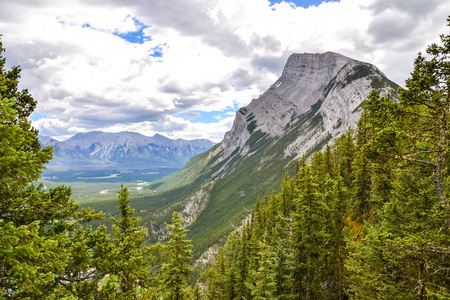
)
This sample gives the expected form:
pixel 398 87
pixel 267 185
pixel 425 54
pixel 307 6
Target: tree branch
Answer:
pixel 78 279
pixel 431 249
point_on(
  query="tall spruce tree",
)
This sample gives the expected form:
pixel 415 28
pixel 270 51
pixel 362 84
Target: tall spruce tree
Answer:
pixel 177 269
pixel 243 264
pixel 129 266
pixel 263 282
pixel 309 236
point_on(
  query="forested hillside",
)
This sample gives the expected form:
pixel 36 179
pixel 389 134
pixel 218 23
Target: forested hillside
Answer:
pixel 367 218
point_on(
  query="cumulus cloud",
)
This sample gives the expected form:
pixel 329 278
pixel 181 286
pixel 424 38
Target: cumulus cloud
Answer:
pixel 80 62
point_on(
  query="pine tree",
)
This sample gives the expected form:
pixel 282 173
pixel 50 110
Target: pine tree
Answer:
pixel 309 236
pixel 216 277
pixel 344 152
pixel 263 283
pixel 287 196
pixel 129 267
pixel 177 269
pixel 197 292
pixel 39 229
pixel 242 264
pixel 337 252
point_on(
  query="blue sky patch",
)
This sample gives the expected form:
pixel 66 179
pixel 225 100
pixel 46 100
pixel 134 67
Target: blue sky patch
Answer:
pixel 207 117
pixel 157 51
pixel 135 37
pixel 303 3
pixel 241 89
pixel 37 116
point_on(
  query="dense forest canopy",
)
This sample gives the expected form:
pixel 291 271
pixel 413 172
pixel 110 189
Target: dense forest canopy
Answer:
pixel 366 218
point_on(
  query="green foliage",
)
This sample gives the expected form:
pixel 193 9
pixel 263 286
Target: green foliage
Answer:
pixel 40 230
pixel 177 269
pixel 129 262
pixel 251 126
pixel 367 218
pixel 262 283
pixel 405 252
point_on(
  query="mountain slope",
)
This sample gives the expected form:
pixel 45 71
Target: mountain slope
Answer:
pixel 315 100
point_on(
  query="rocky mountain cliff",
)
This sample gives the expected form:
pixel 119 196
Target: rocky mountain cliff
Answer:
pixel 122 151
pixel 317 97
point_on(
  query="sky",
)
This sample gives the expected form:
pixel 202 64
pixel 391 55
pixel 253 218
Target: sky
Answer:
pixel 181 68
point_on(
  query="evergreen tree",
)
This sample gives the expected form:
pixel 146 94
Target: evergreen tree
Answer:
pixel 243 264
pixel 337 252
pixel 216 277
pixel 344 152
pixel 405 253
pixel 287 195
pixel 309 236
pixel 283 269
pixel 263 283
pixel 177 269
pixel 39 230
pixel 197 292
pixel 129 267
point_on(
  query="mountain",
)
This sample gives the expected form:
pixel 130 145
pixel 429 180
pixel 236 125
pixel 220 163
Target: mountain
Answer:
pixel 317 98
pixel 103 153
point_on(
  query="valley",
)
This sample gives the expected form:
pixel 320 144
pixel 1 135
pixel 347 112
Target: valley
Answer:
pixel 316 99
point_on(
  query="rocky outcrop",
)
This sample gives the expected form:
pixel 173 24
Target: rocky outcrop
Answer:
pixel 330 84
pixel 189 209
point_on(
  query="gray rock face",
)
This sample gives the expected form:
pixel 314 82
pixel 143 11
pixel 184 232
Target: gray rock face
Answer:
pixel 332 84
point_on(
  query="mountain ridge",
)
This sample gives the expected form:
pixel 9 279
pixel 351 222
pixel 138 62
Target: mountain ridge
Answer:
pixel 121 151
pixel 317 97
pixel 329 85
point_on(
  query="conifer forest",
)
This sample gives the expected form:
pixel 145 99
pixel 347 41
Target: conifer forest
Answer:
pixel 368 217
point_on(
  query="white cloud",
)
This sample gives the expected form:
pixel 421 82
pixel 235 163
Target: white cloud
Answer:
pixel 86 77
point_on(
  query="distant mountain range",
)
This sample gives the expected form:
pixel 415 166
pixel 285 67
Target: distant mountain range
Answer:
pixel 101 154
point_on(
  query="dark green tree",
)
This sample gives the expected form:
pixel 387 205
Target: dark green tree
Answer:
pixel 177 270
pixel 242 265
pixel 129 266
pixel 337 243
pixel 39 229
pixel 262 283
pixel 216 277
pixel 308 238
